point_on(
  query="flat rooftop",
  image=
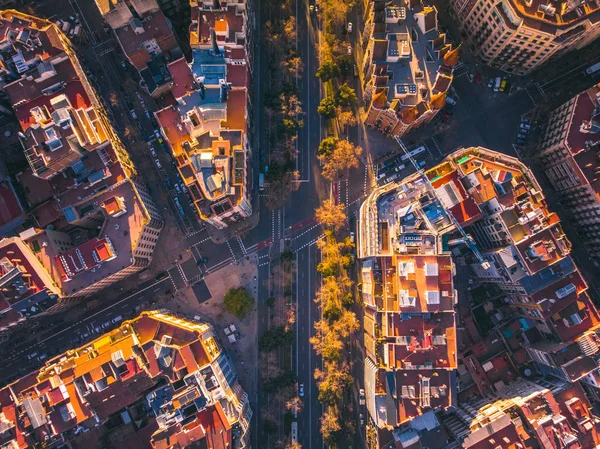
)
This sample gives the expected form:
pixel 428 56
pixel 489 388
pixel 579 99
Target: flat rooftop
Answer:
pixel 122 232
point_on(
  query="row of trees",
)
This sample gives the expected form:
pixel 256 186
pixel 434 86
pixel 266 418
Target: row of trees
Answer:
pixel 283 109
pixel 338 323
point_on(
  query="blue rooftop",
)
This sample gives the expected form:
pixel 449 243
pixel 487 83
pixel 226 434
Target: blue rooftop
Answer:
pixel 548 275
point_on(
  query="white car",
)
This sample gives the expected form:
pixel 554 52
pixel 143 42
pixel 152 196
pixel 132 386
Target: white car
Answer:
pixel 349 27
pixel 153 151
pixel 352 237
pixel 349 49
pixel 361 396
pixel 157 162
pixel 301 390
pixel 177 188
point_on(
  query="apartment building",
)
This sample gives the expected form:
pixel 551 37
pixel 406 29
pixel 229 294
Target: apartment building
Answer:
pixel 499 202
pixel 408 66
pixel 535 315
pixel 146 38
pixel 518 36
pixel 166 374
pixel 206 125
pixel 408 292
pixel 569 152
pixel 99 222
pixel 528 413
pixel 25 287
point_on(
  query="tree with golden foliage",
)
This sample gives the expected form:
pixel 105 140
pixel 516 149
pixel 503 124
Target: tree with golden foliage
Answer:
pixel 330 424
pixel 331 215
pixel 346 118
pixel 337 11
pixel 334 256
pixel 344 156
pixel 293 445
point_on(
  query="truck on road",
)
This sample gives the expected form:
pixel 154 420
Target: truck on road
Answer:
pixel 593 69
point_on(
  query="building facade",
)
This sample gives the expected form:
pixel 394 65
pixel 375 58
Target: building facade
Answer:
pixel 147 39
pixel 166 373
pixel 206 127
pixel 518 36
pixel 569 151
pixel 99 222
pixel 526 311
pixel 409 298
pixel 408 66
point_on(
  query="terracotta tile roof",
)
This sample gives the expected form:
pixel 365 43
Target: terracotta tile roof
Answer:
pixel 183 81
pixel 236 110
pixel 237 75
pixel 155 27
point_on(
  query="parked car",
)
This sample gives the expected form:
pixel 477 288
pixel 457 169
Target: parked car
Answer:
pixel 301 390
pixel 157 162
pixel 312 9
pixel 177 188
pixel 491 83
pixel 361 396
pixel 133 114
pixel 497 84
pixel 349 49
pixel 349 28
pixel 525 120
pixel 361 418
pixel 503 86
pixel 521 136
pixel 451 101
pixel 153 151
pixel 520 141
pixel 352 237
pixel 525 126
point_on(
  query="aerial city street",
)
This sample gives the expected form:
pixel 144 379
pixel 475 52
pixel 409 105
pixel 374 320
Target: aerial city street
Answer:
pixel 287 224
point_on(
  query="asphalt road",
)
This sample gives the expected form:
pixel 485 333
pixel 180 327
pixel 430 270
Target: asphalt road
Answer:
pixel 27 357
pixel 481 118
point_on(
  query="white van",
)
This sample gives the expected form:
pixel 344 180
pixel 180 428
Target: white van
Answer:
pixel 497 84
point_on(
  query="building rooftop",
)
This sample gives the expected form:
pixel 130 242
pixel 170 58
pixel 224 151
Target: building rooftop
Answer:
pixel 158 358
pixel 146 37
pixel 499 433
pixel 183 81
pixel 554 17
pixel 110 248
pixel 411 58
pixel 50 100
pixel 419 342
pixel 25 287
pixel 227 24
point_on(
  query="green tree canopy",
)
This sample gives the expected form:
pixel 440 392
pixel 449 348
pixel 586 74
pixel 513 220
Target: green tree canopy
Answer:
pixel 328 70
pixel 346 96
pixel 327 146
pixel 238 302
pixel 327 107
